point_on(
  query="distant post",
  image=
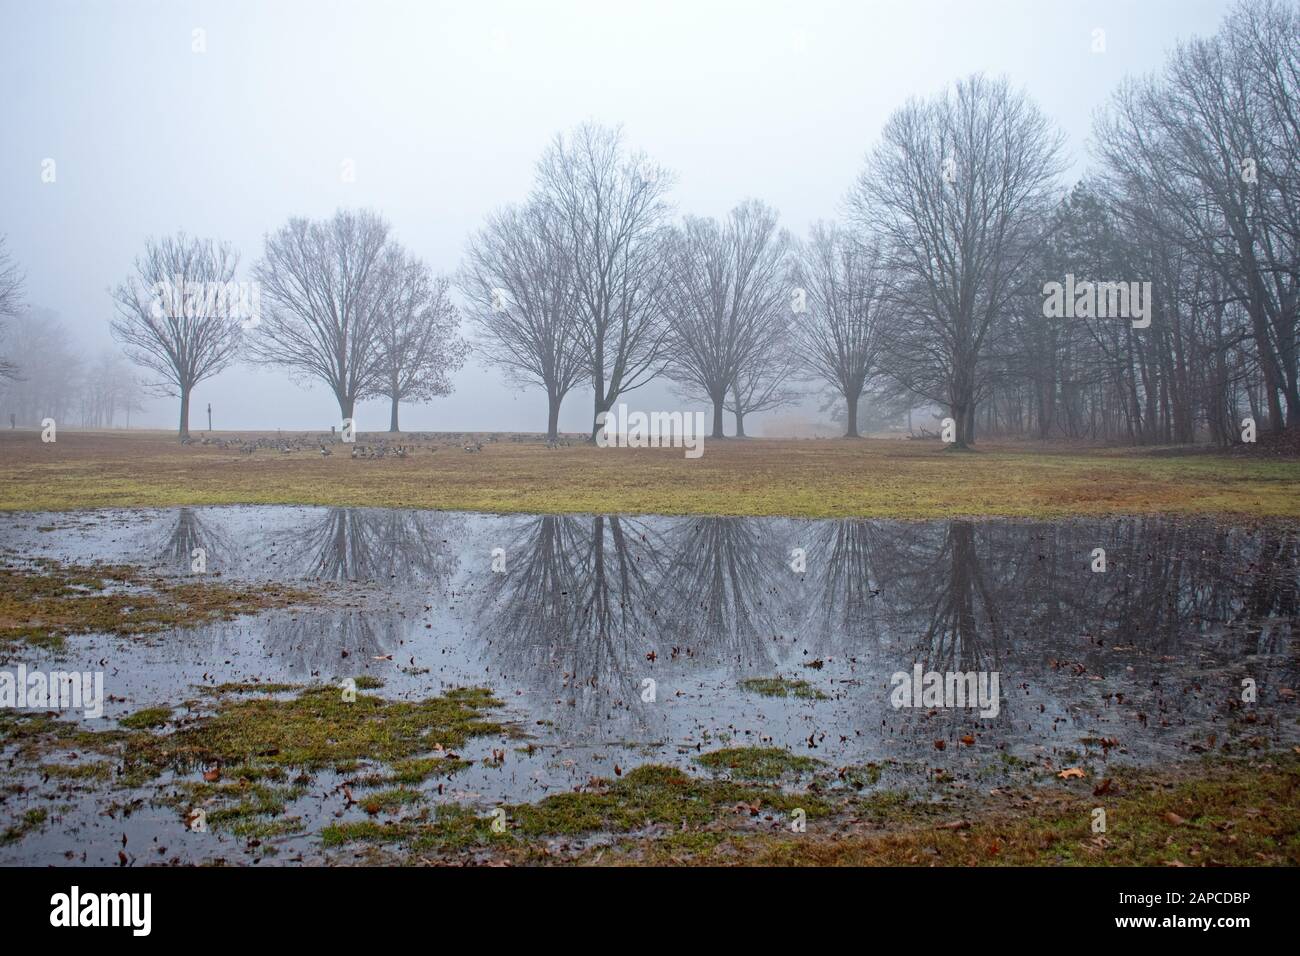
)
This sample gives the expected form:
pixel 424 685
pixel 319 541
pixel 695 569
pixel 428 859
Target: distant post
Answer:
pixel 209 416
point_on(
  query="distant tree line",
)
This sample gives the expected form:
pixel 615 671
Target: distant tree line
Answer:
pixel 933 290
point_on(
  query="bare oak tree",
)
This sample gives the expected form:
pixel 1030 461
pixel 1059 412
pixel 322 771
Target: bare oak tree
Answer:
pixel 419 347
pixel 838 320
pixel 724 304
pixel 173 317
pixel 1206 156
pixel 956 191
pixel 323 290
pixel 518 282
pixel 11 291
pixel 770 379
pixel 613 212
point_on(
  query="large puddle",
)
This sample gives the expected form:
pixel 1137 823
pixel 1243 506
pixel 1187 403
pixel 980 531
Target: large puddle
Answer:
pixel 623 640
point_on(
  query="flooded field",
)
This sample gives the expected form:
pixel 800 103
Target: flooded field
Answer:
pixel 614 641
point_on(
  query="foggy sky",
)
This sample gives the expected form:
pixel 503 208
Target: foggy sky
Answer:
pixel 443 108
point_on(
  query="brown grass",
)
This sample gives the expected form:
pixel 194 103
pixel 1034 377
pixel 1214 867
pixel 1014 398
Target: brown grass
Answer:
pixel 799 478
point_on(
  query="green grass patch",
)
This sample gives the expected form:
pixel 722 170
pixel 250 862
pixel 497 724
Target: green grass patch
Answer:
pixel 782 687
pixel 757 763
pixel 148 719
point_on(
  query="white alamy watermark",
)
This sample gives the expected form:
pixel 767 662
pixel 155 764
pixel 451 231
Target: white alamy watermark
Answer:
pixel 133 910
pixel 22 689
pixel 175 298
pixel 1074 299
pixel 954 689
pixel 623 429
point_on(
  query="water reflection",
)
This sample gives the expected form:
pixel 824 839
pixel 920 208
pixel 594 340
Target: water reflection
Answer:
pixel 577 606
pixel 590 607
pixel 361 544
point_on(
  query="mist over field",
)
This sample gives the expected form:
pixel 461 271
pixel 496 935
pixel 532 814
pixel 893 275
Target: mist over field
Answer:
pixel 671 435
pixel 442 111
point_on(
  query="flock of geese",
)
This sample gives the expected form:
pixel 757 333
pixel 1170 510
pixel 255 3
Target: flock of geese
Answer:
pixel 469 442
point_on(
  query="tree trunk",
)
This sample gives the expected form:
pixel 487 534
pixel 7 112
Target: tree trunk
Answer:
pixel 552 418
pixel 595 421
pixel 852 431
pixel 740 424
pixel 717 419
pixel 392 418
pixel 185 411
pixel 346 406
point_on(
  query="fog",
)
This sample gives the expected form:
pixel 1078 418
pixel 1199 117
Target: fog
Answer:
pixel 442 110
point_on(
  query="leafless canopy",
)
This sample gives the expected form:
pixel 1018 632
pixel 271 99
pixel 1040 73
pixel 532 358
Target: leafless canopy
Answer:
pixel 169 322
pixel 612 209
pixel 955 192
pixel 417 338
pixel 324 295
pixel 11 290
pixel 519 285
pixel 1207 157
pixel 727 306
pixel 838 338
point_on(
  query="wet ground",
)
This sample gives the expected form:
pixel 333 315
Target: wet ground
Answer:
pixel 616 641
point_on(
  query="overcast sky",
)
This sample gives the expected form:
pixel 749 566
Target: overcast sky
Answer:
pixel 443 108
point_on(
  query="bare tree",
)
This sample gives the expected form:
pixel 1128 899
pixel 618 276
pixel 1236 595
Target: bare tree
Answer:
pixel 1206 154
pixel 11 291
pixel 417 336
pixel 956 192
pixel 725 300
pixel 108 388
pixel 323 290
pixel 837 330
pixel 50 371
pixel 769 380
pixel 613 211
pixel 175 316
pixel 518 281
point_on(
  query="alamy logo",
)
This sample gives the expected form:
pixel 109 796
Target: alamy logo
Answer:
pixel 58 690
pixel 176 298
pixel 1098 300
pixel 623 429
pixel 103 909
pixel 954 689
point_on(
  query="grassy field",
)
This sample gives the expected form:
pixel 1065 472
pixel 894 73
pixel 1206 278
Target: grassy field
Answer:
pixel 797 478
pixel 266 743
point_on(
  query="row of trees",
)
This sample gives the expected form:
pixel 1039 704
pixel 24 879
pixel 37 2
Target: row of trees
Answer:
pixel 589 283
pixel 1196 190
pixel 930 292
pixel 49 376
pixel 339 301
